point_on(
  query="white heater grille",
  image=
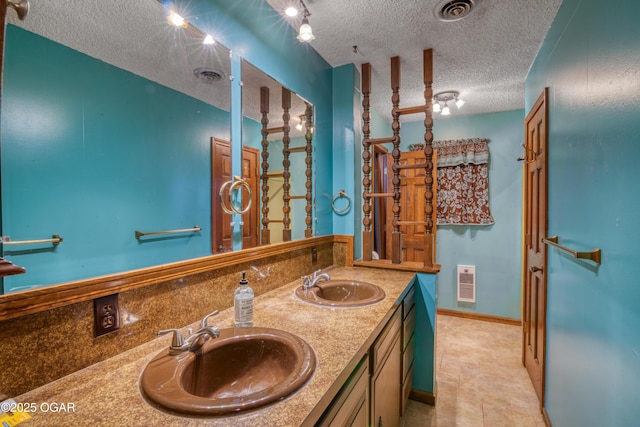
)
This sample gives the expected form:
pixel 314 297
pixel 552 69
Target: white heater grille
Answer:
pixel 467 283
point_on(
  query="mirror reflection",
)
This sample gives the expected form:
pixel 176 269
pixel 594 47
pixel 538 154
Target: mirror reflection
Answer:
pixel 109 116
pixel 278 126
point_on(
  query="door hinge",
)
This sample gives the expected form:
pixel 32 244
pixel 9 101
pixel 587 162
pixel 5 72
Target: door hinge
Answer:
pixel 524 327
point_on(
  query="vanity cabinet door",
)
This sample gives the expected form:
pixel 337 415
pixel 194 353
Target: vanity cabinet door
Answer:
pixel 351 406
pixel 385 382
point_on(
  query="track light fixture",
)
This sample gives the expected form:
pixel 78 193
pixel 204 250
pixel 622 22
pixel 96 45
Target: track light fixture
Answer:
pixel 305 34
pixel 441 101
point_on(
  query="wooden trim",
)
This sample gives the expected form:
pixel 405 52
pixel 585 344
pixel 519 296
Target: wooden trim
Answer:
pixel 479 316
pixel 422 396
pixel 545 417
pixel 417 267
pixel 42 299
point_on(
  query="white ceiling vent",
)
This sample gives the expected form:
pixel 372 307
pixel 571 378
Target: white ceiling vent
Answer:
pixel 209 75
pixel 467 283
pixel 454 10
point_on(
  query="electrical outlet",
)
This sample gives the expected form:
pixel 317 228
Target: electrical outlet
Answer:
pixel 106 315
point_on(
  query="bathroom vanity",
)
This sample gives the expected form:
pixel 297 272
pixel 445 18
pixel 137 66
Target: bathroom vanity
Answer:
pixel 363 374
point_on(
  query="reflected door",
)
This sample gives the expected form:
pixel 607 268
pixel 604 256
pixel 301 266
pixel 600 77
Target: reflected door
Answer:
pixel 221 239
pixel 221 172
pixel 535 226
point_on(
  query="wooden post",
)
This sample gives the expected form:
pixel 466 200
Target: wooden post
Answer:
pixel 367 236
pixel 264 109
pixel 286 164
pixel 308 136
pixel 429 250
pixel 396 235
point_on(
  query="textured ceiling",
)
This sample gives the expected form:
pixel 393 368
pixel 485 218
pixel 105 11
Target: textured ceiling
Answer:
pixel 135 36
pixel 485 56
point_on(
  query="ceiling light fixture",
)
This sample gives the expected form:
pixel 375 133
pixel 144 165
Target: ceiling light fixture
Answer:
pixel 305 34
pixel 441 99
pixel 177 20
pixel 208 40
pixel 291 11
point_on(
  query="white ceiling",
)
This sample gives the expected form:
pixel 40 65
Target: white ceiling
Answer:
pixel 134 36
pixel 485 56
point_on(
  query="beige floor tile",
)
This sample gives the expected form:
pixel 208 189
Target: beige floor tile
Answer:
pixel 481 380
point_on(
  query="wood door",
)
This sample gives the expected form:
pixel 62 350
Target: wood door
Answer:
pixel 250 174
pixel 535 252
pixel 221 239
pixel 412 202
pixel 221 232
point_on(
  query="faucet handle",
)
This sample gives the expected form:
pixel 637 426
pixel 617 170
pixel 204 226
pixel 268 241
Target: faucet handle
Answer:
pixel 203 323
pixel 177 340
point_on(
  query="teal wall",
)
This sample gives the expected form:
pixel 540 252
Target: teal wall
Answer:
pixel 346 149
pixel 494 249
pixel 590 61
pixel 425 335
pixel 141 150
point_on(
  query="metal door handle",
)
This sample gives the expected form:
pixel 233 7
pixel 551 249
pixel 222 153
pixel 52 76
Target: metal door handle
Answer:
pixel 535 269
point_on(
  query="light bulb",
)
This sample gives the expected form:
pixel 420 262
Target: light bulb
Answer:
pixel 305 34
pixel 299 126
pixel 208 40
pixel 291 11
pixel 177 20
pixel 436 107
pixel 445 109
pixel 459 102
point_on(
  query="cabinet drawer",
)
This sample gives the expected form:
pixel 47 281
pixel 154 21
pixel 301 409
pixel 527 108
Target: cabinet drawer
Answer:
pixel 408 327
pixel 385 340
pixel 406 390
pixel 407 358
pixel 408 302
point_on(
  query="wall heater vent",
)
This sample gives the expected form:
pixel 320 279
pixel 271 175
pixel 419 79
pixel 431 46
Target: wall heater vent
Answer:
pixel 467 283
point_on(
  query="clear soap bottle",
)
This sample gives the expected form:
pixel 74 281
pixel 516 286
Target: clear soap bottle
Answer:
pixel 243 303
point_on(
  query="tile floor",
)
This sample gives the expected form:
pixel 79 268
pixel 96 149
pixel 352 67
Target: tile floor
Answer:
pixel 480 377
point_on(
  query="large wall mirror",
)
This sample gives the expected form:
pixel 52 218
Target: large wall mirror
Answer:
pixel 109 117
pixel 278 132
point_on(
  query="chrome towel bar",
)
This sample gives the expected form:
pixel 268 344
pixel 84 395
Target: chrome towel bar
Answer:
pixel 594 255
pixel 195 229
pixel 55 240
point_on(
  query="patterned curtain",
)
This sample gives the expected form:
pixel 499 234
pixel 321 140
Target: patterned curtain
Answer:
pixel 463 182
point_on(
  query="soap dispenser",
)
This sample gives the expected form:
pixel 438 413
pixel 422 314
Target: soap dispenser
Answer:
pixel 243 304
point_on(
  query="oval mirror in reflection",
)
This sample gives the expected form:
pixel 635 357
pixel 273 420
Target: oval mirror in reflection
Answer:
pixel 108 115
pixel 278 129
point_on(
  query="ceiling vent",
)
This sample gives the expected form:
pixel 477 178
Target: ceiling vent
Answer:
pixel 454 10
pixel 209 75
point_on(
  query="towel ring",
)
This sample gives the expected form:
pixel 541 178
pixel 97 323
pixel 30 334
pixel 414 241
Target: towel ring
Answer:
pixel 240 183
pixel 341 194
pixel 224 206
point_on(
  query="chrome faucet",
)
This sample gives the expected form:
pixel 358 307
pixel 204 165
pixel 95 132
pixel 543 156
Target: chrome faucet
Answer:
pixel 312 280
pixel 195 340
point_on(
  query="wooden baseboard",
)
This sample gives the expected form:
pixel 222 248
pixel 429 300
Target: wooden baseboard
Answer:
pixel 423 396
pixel 479 316
pixel 545 417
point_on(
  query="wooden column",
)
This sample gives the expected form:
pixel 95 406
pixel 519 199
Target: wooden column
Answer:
pixel 308 136
pixel 367 235
pixel 396 234
pixel 429 249
pixel 265 237
pixel 286 164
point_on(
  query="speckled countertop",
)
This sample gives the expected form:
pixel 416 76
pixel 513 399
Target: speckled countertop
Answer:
pixel 107 393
